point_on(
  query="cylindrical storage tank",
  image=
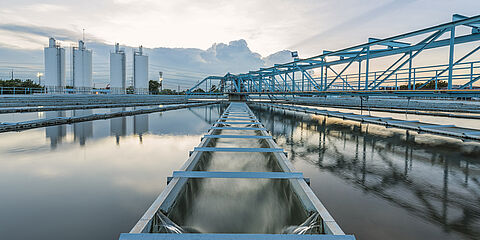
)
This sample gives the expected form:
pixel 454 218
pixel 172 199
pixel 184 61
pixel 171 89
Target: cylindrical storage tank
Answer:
pixel 118 73
pixel 82 68
pixel 140 72
pixel 54 80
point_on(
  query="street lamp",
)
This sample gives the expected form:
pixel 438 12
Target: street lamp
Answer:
pixel 160 80
pixel 39 75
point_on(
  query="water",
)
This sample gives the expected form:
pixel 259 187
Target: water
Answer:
pixel 238 205
pixel 94 180
pixel 381 183
pixel 28 116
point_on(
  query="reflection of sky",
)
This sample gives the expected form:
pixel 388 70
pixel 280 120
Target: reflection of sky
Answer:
pixel 99 189
pixel 377 184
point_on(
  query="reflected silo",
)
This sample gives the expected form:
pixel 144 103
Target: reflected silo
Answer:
pixel 82 68
pixel 140 71
pixel 54 67
pixel 118 72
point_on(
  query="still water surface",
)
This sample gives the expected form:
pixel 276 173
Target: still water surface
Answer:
pixel 382 183
pixel 93 180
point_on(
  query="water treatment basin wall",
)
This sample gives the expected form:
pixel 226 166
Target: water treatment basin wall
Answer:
pixel 237 205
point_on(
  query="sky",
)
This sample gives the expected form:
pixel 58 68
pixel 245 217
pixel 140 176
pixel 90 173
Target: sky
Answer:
pixel 241 30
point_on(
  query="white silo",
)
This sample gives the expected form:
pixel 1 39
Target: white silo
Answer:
pixel 82 68
pixel 54 67
pixel 140 72
pixel 118 72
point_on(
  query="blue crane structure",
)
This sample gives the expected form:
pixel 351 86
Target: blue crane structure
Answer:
pixel 398 78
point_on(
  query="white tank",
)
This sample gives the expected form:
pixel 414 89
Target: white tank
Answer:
pixel 54 67
pixel 82 68
pixel 118 72
pixel 140 72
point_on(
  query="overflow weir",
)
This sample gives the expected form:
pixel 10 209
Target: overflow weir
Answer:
pixel 253 193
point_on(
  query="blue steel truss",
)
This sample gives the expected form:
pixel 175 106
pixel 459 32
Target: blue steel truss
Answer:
pixel 296 77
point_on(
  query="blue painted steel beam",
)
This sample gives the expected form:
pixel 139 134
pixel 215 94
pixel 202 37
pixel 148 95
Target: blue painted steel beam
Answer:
pixel 254 123
pixel 391 44
pixel 219 149
pixel 229 236
pixel 238 128
pixel 256 175
pixel 238 136
pixel 236 118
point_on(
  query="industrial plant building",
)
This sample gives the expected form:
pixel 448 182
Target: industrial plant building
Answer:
pixel 54 67
pixel 140 72
pixel 118 72
pixel 82 68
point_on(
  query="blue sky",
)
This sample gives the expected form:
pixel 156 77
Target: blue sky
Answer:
pixel 266 27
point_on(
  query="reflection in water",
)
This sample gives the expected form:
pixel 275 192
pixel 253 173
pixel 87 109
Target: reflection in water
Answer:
pixel 55 133
pixel 140 125
pixel 124 126
pixel 105 187
pixel 432 178
pixel 118 126
pixel 82 130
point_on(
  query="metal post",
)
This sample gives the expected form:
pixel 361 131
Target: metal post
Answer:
pixel 451 56
pixel 359 73
pixel 367 68
pixel 410 71
pixel 471 75
pixel 293 81
pixel 414 78
pixel 396 81
pixel 321 77
pixel 436 79
pixel 303 79
pixel 326 77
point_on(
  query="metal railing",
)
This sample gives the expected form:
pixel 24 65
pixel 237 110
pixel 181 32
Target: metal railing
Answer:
pixel 20 90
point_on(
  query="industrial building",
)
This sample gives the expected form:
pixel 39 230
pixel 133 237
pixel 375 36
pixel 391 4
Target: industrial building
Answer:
pixel 82 68
pixel 118 72
pixel 54 67
pixel 140 72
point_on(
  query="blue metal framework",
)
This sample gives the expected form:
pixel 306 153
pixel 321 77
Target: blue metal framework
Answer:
pixel 297 77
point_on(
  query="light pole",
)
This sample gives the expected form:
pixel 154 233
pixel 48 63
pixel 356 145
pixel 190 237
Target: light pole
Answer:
pixel 160 80
pixel 39 75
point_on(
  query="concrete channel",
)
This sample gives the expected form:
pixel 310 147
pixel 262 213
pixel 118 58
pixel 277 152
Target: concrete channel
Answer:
pixel 19 126
pixel 237 184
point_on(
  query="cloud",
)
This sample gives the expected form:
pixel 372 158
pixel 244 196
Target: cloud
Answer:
pixel 59 33
pixel 181 66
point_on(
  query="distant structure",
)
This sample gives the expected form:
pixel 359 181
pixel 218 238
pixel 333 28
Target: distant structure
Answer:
pixel 54 67
pixel 118 72
pixel 140 72
pixel 82 68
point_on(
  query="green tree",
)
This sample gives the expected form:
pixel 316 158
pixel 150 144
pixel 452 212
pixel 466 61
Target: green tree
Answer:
pixel 28 83
pixel 153 87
